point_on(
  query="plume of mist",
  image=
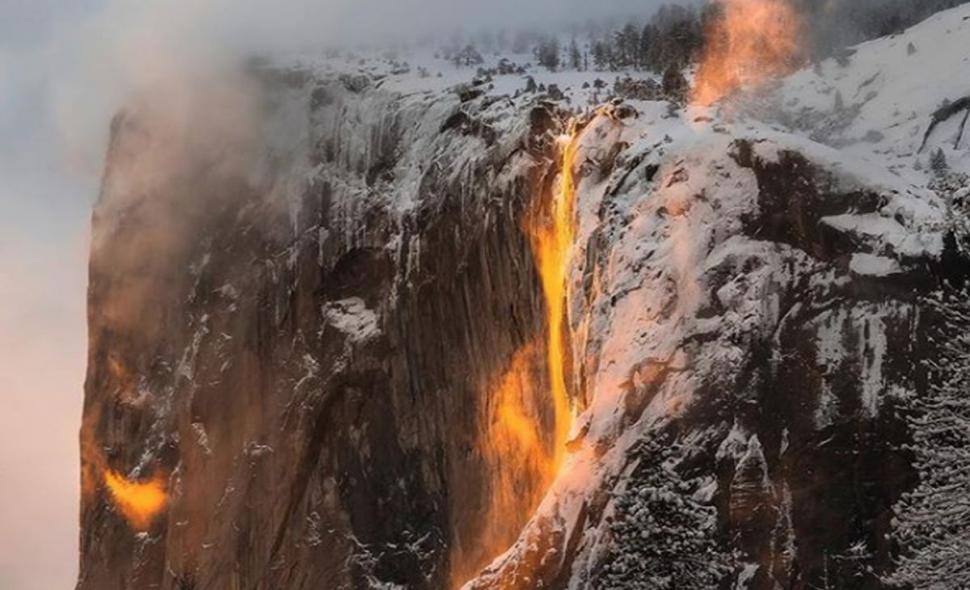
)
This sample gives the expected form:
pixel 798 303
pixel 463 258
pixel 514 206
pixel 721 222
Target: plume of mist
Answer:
pixel 124 47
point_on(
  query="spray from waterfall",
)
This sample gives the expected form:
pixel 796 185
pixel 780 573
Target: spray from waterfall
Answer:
pixel 748 44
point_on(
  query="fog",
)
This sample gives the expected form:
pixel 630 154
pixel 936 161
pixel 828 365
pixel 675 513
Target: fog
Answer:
pixel 111 48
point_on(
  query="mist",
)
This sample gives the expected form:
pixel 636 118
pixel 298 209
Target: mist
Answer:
pixel 121 47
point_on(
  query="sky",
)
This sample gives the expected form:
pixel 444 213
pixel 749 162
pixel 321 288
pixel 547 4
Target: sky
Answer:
pixel 43 235
pixel 65 67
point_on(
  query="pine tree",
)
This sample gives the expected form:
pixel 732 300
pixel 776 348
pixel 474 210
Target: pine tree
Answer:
pixel 548 53
pixel 575 57
pixel 471 57
pixel 627 42
pixel 933 519
pixel 602 55
pixel 663 538
pixel 647 38
pixel 938 162
pixel 674 84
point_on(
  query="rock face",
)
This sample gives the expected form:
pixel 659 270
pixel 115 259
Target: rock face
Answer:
pixel 733 313
pixel 307 362
pixel 306 318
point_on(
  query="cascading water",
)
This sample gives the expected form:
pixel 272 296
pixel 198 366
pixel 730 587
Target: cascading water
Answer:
pixel 552 246
pixel 526 455
pixel 139 501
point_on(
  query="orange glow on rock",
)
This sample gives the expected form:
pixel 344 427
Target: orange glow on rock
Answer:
pixel 753 41
pixel 515 447
pixel 514 424
pixel 139 502
pixel 92 457
pixel 524 455
pixel 516 438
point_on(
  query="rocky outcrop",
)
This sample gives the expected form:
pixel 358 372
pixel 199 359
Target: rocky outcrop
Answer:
pixel 749 301
pixel 319 324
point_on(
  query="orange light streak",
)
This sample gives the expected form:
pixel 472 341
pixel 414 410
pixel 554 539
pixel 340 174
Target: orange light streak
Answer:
pixel 752 42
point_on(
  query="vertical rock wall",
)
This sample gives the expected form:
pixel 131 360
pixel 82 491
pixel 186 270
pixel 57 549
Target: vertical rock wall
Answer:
pixel 302 342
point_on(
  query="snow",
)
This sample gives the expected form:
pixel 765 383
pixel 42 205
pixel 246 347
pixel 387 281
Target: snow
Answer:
pixel 352 317
pixel 878 266
pixel 201 437
pixel 890 94
pixel 872 352
pixel 400 73
pixel 734 445
pixel 887 236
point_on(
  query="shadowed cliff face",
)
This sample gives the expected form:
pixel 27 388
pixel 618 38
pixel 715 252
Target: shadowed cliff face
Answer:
pixel 305 354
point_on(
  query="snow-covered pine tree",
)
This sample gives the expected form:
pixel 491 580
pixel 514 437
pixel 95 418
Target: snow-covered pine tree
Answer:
pixel 645 49
pixel 602 55
pixel 938 162
pixel 675 86
pixel 932 525
pixel 547 53
pixel 662 537
pixel 575 57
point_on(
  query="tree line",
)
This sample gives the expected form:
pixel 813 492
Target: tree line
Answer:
pixel 674 36
pixel 671 38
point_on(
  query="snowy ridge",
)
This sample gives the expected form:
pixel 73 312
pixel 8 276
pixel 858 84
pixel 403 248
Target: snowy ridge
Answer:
pixel 880 103
pixel 685 261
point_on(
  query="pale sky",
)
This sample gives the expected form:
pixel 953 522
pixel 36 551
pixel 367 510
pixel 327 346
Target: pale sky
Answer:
pixel 43 234
pixel 65 68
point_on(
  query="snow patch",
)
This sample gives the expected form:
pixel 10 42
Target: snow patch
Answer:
pixel 352 317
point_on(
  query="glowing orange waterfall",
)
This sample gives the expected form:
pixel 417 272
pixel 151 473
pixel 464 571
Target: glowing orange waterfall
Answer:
pixel 524 459
pixel 552 244
pixel 140 502
pixel 519 428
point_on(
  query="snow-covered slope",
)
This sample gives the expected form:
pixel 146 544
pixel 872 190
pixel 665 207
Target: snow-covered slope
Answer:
pixel 878 101
pixel 737 294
